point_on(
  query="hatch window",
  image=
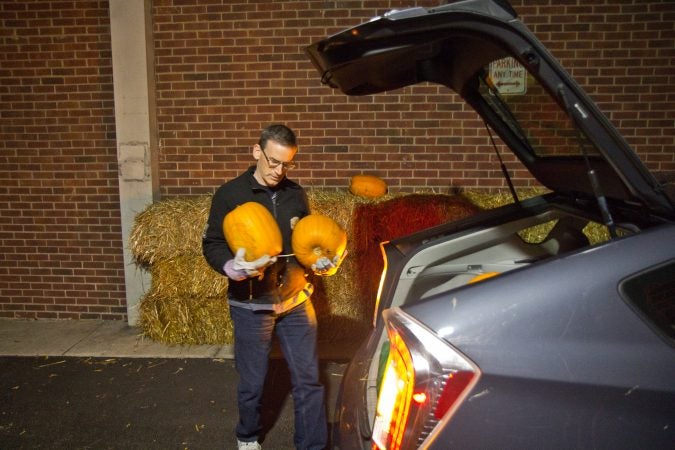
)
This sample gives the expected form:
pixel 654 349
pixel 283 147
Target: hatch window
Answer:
pixel 529 111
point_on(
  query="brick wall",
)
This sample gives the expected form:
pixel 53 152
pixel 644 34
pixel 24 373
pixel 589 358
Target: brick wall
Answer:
pixel 224 71
pixel 60 233
pixel 226 68
pixel 623 54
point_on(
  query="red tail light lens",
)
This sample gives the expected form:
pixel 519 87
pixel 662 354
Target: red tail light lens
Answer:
pixel 425 380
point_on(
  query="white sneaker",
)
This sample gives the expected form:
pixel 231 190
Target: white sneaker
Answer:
pixel 248 445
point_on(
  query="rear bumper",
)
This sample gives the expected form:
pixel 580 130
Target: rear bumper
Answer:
pixel 352 423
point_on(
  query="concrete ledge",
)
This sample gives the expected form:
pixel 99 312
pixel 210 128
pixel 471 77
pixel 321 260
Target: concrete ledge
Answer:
pixel 116 339
pixel 93 338
pixel 42 338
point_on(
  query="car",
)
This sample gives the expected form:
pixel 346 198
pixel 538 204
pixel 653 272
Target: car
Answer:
pixel 482 338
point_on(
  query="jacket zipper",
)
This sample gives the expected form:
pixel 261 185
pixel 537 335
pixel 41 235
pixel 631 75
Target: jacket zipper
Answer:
pixel 273 197
pixel 274 204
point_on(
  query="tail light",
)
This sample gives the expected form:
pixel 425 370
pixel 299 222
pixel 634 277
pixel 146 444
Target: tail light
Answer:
pixel 381 285
pixel 425 380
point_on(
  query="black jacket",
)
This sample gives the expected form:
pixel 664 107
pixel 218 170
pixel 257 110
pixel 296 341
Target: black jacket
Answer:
pixel 286 277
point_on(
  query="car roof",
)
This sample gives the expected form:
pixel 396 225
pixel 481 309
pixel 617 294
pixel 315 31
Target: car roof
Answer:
pixel 451 45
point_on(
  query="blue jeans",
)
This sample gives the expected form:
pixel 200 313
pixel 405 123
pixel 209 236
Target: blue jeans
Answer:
pixel 296 332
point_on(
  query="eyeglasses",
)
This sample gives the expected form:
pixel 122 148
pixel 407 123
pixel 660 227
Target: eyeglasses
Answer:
pixel 273 163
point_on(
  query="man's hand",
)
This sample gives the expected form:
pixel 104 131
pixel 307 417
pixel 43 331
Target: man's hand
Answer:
pixel 239 269
pixel 325 267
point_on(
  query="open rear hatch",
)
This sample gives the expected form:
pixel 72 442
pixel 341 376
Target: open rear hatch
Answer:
pixel 480 49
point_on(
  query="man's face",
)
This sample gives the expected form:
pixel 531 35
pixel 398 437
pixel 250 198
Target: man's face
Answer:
pixel 273 162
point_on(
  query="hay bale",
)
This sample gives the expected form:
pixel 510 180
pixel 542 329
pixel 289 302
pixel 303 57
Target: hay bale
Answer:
pixel 176 313
pixel 186 304
pixel 596 233
pixel 341 309
pixel 187 275
pixel 169 229
pixel 339 205
pixel 190 320
pixel 186 294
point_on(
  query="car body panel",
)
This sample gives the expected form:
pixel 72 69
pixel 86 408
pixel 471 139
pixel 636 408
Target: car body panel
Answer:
pixel 569 339
pixel 563 332
pixel 560 313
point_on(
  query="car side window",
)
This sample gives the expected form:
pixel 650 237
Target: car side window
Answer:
pixel 652 294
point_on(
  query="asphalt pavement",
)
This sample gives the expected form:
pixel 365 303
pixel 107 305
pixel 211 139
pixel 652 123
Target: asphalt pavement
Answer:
pixel 101 385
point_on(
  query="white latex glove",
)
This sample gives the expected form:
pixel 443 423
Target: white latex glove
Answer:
pixel 323 264
pixel 238 268
pixel 325 267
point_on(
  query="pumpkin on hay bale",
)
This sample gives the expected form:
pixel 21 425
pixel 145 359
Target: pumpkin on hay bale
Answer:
pixel 368 186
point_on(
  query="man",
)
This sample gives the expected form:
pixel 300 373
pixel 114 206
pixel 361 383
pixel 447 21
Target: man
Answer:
pixel 271 294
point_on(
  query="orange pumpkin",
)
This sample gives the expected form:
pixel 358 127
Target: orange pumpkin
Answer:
pixel 315 236
pixel 369 186
pixel 252 227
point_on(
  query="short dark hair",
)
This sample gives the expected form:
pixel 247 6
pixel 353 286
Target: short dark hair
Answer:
pixel 280 134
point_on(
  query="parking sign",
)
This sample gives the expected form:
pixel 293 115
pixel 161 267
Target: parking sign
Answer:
pixel 508 76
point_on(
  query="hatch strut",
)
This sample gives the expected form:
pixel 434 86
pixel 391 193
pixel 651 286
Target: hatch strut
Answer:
pixel 503 166
pixel 592 177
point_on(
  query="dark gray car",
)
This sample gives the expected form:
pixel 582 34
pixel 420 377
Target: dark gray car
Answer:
pixel 484 339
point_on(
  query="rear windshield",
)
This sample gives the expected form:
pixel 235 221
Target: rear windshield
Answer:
pixel 652 293
pixel 530 112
